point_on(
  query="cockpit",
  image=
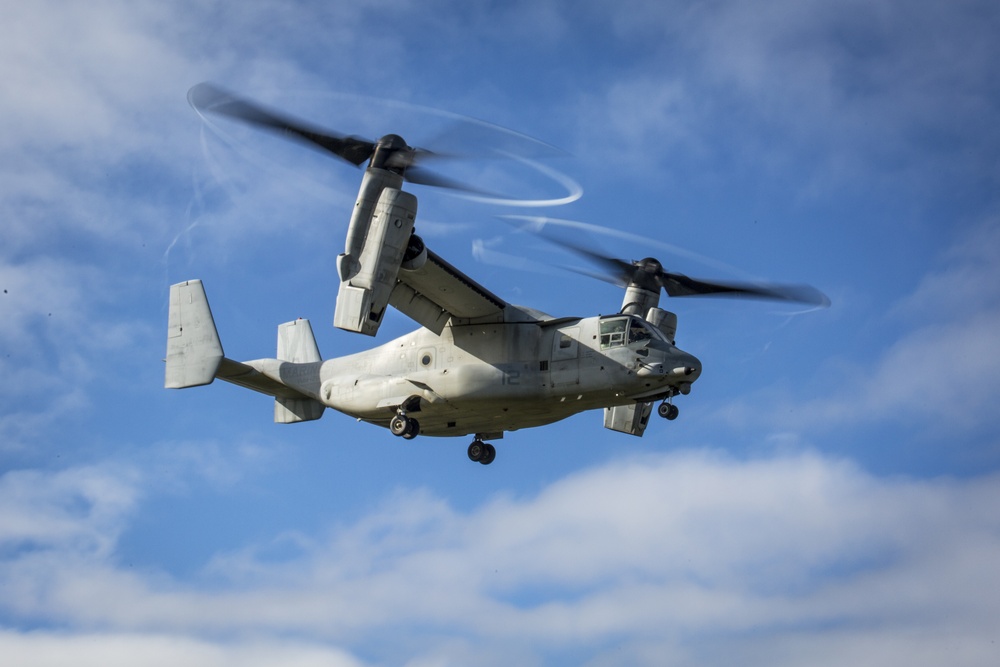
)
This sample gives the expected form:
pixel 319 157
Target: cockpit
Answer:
pixel 619 330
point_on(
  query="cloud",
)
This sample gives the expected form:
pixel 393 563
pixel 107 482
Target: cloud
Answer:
pixel 54 649
pixel 855 95
pixel 61 326
pixel 937 369
pixel 80 510
pixel 963 282
pixel 693 555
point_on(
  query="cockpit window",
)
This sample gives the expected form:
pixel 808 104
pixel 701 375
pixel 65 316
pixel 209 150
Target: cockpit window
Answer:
pixel 613 331
pixel 622 330
pixel 638 331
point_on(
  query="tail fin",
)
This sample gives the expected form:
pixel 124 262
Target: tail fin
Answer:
pixel 194 350
pixel 195 356
pixel 297 344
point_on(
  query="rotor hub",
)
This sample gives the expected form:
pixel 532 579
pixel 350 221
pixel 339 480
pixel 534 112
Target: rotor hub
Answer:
pixel 647 274
pixel 392 153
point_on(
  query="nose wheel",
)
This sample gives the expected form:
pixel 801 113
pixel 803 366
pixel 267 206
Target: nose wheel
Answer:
pixel 668 411
pixel 482 452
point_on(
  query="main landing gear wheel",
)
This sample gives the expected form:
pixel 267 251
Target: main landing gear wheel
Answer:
pixel 412 429
pixel 668 411
pixel 482 452
pixel 489 455
pixel 405 427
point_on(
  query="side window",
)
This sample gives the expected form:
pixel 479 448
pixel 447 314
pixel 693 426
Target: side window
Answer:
pixel 566 344
pixel 613 331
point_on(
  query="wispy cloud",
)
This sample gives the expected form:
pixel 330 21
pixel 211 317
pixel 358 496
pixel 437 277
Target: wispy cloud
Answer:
pixel 936 371
pixel 78 511
pixel 860 94
pixel 52 649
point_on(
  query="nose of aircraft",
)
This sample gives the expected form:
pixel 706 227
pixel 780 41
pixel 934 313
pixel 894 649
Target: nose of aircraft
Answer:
pixel 693 365
pixel 677 367
pixel 686 367
pixel 688 371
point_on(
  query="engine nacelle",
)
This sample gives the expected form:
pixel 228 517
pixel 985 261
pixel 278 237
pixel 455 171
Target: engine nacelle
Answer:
pixel 363 297
pixel 416 254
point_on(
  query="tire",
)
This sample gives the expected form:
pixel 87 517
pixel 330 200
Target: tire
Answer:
pixel 398 425
pixel 412 429
pixel 489 454
pixel 476 451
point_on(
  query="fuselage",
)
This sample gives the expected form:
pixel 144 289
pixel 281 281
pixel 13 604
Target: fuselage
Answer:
pixel 485 379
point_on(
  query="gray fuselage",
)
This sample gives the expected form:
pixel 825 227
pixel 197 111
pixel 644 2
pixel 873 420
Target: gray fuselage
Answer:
pixel 489 378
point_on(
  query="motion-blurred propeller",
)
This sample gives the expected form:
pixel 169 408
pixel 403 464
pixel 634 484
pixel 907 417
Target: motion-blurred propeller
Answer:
pixel 389 152
pixel 649 274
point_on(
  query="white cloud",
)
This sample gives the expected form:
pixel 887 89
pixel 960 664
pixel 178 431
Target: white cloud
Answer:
pixel 848 95
pixel 56 649
pixel 964 282
pixel 55 340
pixel 694 554
pixel 78 511
pixel 939 372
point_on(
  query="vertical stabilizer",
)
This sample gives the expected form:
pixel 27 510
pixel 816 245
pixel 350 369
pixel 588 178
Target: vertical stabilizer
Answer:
pixel 297 343
pixel 194 350
pixel 294 410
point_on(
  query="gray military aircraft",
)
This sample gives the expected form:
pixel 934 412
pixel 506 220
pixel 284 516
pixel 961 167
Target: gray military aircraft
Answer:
pixel 478 365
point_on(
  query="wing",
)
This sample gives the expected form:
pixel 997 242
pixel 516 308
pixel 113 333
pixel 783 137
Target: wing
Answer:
pixel 438 292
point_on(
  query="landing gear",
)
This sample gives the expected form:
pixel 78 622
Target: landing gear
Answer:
pixel 668 411
pixel 412 429
pixel 482 452
pixel 405 427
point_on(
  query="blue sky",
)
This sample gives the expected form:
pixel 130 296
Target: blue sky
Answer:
pixel 829 495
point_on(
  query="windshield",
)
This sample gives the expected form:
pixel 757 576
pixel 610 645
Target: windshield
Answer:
pixel 624 329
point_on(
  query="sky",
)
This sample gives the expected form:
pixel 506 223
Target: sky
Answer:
pixel 829 495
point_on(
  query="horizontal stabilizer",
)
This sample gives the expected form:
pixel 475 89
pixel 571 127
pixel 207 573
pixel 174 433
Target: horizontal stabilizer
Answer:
pixel 194 351
pixel 290 405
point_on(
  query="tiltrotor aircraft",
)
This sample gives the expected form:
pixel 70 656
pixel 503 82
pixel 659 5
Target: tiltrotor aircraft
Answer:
pixel 478 365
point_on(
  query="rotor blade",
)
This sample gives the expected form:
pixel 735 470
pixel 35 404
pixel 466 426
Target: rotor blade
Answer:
pixel 207 97
pixel 650 274
pixel 596 275
pixel 616 271
pixel 424 176
pixel 677 284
